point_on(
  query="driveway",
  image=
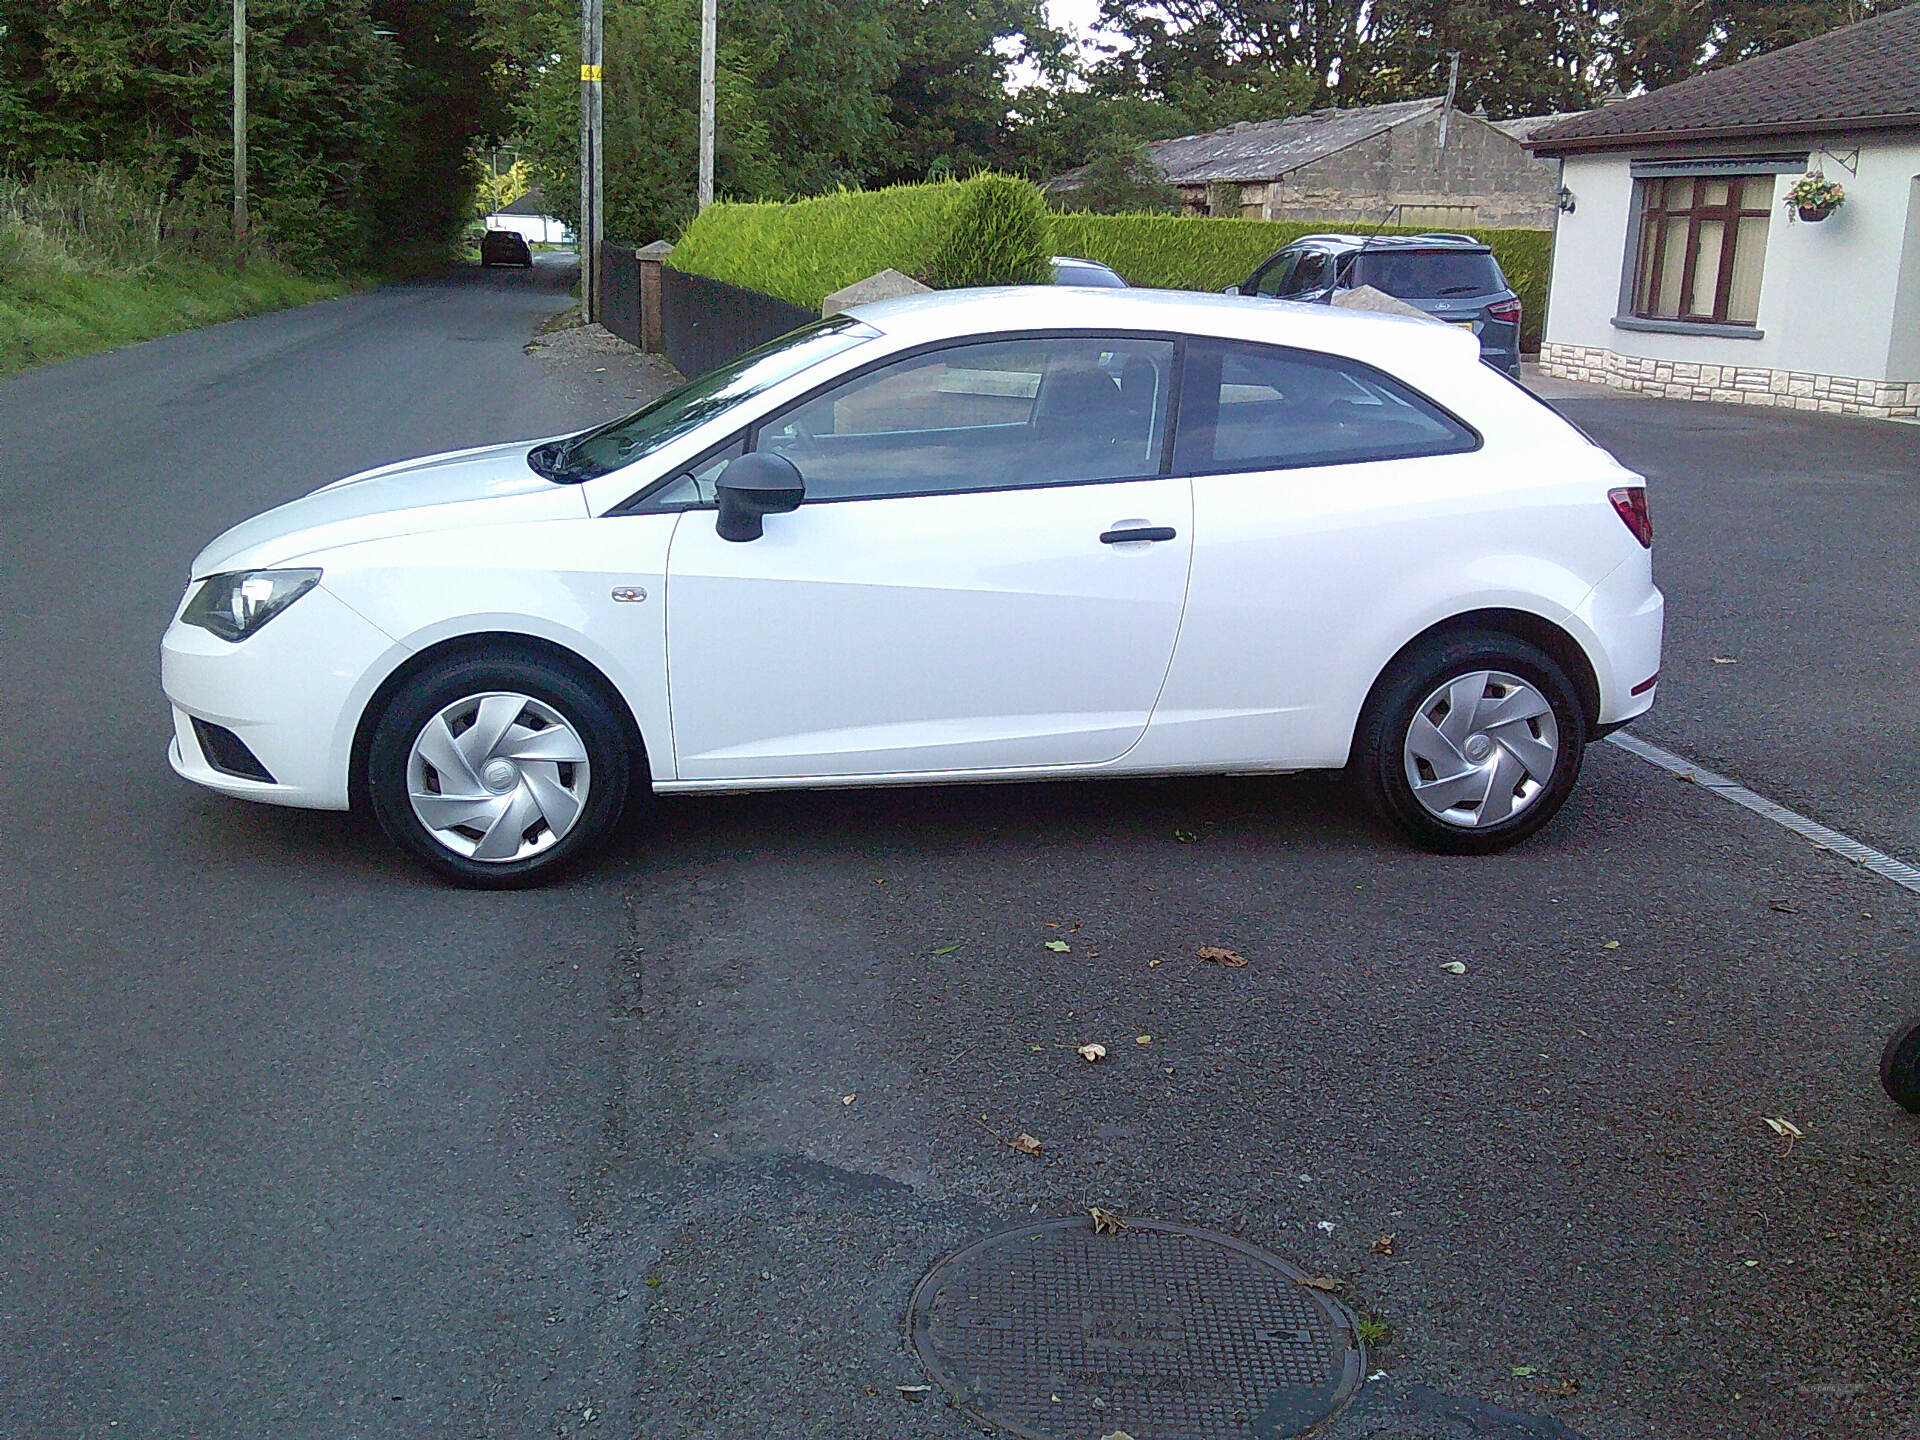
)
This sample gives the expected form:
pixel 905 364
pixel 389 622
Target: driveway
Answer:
pixel 294 1141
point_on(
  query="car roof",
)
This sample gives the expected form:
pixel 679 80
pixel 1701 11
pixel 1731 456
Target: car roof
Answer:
pixel 1383 340
pixel 1434 240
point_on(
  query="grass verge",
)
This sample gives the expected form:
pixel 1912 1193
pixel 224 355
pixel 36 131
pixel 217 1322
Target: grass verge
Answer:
pixel 60 314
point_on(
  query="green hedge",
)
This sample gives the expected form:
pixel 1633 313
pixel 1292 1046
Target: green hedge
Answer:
pixel 804 250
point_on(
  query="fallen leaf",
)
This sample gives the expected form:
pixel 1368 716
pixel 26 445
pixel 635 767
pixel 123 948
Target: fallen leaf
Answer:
pixel 1185 837
pixel 1220 955
pixel 1143 1039
pixel 1025 1144
pixel 1454 967
pixel 1105 1222
pixel 653 1282
pixel 1152 963
pixel 1384 1245
pixel 1323 1282
pixel 1783 1127
pixel 1725 660
pixel 846 1099
pixel 1784 908
pixel 1059 947
pixel 1564 1390
pixel 914 1392
pixel 1091 1053
pixel 1611 945
pixel 946 949
pixel 1525 1370
pixel 1749 1263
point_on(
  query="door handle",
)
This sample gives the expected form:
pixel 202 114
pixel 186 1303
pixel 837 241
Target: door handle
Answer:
pixel 1131 534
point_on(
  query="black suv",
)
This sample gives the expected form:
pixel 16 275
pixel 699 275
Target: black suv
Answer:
pixel 1452 277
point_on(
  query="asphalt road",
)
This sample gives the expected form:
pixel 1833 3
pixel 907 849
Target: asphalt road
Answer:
pixel 294 1141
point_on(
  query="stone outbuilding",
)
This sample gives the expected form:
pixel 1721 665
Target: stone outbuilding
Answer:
pixel 1684 270
pixel 1416 162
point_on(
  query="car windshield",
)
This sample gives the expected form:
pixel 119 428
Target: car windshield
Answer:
pixel 1429 274
pixel 598 452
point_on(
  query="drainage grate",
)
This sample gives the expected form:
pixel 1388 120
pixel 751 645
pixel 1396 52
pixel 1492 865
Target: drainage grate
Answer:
pixel 1052 1332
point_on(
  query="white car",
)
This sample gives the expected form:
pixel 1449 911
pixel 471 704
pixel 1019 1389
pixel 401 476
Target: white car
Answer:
pixel 978 535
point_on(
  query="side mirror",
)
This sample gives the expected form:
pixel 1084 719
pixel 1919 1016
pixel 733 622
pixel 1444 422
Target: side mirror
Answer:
pixel 752 486
pixel 1231 290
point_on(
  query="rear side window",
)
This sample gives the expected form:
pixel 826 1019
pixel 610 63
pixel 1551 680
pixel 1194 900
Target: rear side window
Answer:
pixel 1261 407
pixel 1429 274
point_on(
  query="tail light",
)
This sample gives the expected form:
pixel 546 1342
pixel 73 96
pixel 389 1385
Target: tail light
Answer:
pixel 1630 504
pixel 1506 311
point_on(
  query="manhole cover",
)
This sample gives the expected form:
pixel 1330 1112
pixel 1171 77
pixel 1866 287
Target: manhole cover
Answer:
pixel 1053 1332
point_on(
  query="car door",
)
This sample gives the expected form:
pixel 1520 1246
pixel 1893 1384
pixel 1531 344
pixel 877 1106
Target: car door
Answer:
pixel 1320 487
pixel 987 572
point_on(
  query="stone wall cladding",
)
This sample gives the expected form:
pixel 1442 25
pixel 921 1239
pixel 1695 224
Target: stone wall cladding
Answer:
pixel 1734 384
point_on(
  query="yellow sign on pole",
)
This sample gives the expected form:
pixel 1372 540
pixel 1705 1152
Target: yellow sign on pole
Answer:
pixel 590 74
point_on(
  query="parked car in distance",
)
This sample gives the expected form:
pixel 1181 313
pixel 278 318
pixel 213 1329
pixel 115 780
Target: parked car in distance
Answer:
pixel 505 247
pixel 1072 270
pixel 1017 534
pixel 1453 278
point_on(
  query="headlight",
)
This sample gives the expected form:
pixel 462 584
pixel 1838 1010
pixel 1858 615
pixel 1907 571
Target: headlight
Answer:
pixel 234 606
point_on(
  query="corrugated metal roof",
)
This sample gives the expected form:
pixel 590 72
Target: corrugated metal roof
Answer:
pixel 1861 76
pixel 1268 149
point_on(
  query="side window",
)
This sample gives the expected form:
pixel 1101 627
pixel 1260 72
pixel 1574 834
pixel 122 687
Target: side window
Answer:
pixel 693 486
pixel 995 415
pixel 1272 280
pixel 1261 407
pixel 1313 274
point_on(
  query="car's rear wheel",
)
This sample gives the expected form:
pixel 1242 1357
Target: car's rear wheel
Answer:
pixel 1900 1067
pixel 1471 742
pixel 498 773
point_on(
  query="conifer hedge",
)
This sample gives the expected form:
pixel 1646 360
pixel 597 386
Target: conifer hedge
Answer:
pixel 950 234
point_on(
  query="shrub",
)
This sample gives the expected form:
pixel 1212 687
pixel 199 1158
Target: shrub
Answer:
pixel 804 250
pixel 994 234
pixel 1121 179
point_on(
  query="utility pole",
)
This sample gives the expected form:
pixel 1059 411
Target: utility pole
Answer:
pixel 707 46
pixel 592 175
pixel 239 119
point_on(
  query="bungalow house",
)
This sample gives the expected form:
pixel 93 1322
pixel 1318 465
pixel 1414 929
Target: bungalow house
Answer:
pixel 1681 268
pixel 1416 162
pixel 529 216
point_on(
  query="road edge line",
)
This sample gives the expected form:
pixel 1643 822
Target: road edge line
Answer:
pixel 1884 865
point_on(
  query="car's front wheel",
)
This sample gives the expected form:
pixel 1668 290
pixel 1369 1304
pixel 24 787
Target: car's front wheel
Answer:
pixel 498 773
pixel 1471 743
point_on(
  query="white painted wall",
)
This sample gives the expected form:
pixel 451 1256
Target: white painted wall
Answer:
pixel 1830 293
pixel 535 229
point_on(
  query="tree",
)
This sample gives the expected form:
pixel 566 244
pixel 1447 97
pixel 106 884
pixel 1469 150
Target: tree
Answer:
pixel 1120 179
pixel 357 140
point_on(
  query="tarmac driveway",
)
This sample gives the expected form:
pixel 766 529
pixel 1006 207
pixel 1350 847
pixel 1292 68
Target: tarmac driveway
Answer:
pixel 295 1141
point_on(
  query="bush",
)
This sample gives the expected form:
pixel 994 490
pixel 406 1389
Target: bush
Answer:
pixel 995 234
pixel 805 250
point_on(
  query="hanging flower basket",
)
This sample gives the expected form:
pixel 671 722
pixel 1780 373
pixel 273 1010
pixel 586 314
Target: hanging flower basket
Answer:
pixel 1815 197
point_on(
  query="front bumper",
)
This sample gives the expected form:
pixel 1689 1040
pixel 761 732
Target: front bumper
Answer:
pixel 292 692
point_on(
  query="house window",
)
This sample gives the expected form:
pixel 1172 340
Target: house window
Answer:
pixel 1703 245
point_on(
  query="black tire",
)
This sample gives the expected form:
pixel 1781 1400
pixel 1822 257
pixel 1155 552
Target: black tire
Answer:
pixel 610 763
pixel 1379 759
pixel 1900 1067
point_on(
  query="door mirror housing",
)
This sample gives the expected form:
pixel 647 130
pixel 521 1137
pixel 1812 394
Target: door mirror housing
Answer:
pixel 752 486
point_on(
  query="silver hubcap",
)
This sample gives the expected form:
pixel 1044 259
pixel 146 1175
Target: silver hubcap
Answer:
pixel 1481 748
pixel 498 776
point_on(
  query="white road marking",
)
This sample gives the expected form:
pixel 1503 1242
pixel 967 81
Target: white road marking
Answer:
pixel 1865 856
